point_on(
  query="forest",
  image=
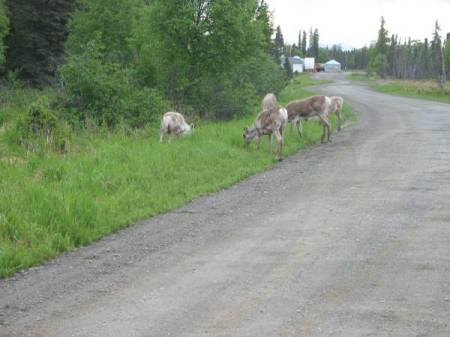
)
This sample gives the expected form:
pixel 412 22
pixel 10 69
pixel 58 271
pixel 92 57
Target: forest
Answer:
pixel 127 61
pixel 387 56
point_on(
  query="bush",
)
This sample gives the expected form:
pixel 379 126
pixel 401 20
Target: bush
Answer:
pixel 105 92
pixel 143 106
pixel 222 99
pixel 40 128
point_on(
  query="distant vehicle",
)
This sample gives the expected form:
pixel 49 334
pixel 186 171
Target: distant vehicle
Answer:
pixel 309 63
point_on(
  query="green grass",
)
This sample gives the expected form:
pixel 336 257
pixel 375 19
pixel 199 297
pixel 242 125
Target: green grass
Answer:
pixel 51 203
pixel 425 89
pixel 417 89
pixel 361 76
pixel 303 80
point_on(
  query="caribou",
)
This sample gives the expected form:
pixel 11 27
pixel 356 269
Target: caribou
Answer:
pixel 173 123
pixel 315 106
pixel 270 121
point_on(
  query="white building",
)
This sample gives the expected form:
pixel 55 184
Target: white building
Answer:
pixel 332 66
pixel 310 63
pixel 297 64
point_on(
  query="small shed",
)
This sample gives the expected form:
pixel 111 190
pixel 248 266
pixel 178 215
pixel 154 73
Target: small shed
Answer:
pixel 332 66
pixel 297 64
pixel 309 63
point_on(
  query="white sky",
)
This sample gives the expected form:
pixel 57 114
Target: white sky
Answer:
pixel 356 22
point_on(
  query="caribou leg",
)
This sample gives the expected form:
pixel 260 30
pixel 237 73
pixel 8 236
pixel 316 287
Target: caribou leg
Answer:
pixel 279 137
pixel 326 128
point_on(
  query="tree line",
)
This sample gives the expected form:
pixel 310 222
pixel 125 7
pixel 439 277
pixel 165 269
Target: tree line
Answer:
pixel 410 59
pixel 308 46
pixel 388 56
pixel 130 60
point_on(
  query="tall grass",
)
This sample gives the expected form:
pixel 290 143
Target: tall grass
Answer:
pixel 51 203
pixel 361 76
pixel 418 89
pixel 426 89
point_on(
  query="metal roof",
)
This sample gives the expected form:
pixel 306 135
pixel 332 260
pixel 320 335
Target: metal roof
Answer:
pixel 296 60
pixel 333 62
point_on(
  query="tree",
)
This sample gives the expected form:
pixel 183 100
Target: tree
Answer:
pixel 279 44
pixel 315 44
pixel 206 55
pixel 111 21
pixel 303 46
pixel 447 55
pixel 300 42
pixel 437 55
pixel 378 61
pixel 264 18
pixel 311 43
pixel 426 58
pixel 36 42
pixel 378 64
pixel 288 68
pixel 323 55
pixel 4 29
pixel 381 45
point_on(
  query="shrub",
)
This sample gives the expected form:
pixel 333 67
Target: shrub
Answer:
pixel 143 106
pixel 41 129
pixel 105 92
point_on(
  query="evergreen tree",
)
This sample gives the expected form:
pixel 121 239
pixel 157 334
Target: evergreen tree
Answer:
pixel 436 54
pixel 382 42
pixel 288 68
pixel 426 59
pixel 378 60
pixel 4 28
pixel 300 42
pixel 304 44
pixel 315 44
pixel 311 43
pixel 279 44
pixel 36 42
pixel 447 55
pixel 391 53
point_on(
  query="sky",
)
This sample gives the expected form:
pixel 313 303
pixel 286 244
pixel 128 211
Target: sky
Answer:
pixel 356 22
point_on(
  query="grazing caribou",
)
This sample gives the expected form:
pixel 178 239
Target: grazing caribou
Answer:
pixel 173 123
pixel 337 103
pixel 270 103
pixel 269 122
pixel 315 106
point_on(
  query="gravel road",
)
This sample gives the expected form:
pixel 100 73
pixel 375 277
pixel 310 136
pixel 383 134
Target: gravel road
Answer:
pixel 346 239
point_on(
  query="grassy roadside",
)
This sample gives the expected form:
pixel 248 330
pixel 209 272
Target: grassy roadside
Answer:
pixel 51 203
pixel 425 89
pixel 360 76
pixel 417 89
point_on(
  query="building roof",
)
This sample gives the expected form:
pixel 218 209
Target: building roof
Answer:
pixel 296 60
pixel 333 62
